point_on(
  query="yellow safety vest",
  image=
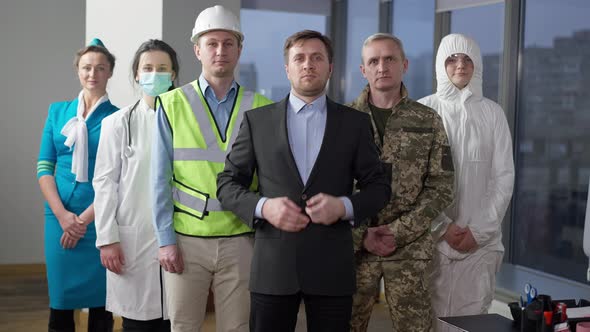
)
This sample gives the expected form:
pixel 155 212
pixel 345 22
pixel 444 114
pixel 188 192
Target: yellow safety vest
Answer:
pixel 199 155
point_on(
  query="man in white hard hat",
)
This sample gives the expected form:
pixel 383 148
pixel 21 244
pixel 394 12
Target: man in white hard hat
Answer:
pixel 201 244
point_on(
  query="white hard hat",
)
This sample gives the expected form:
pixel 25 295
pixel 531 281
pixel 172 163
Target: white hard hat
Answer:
pixel 216 18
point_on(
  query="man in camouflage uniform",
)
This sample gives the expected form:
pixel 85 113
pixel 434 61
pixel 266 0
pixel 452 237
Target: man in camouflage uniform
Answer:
pixel 397 244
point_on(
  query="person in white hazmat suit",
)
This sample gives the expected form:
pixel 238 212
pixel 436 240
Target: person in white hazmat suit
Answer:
pixel 468 235
pixel 125 233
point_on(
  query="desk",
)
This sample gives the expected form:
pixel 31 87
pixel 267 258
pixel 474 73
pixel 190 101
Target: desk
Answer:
pixel 480 323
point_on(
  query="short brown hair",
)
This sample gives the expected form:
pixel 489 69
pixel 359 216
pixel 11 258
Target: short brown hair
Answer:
pixel 97 49
pixel 307 35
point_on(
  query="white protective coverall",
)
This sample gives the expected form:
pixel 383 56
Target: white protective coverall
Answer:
pixel 481 145
pixel 123 209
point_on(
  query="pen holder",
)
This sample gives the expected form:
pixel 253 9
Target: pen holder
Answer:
pixel 545 302
pixel 516 310
pixel 532 317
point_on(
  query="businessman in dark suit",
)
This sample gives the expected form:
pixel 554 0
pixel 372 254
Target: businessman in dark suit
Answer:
pixel 307 152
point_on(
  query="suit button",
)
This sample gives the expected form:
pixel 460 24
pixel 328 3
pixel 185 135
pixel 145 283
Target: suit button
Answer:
pixel 304 197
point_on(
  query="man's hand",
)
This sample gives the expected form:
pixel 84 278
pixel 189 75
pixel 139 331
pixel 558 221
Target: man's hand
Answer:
pixel 468 243
pixel 112 258
pixel 325 209
pixel 379 241
pixel 171 258
pixel 284 214
pixel 454 235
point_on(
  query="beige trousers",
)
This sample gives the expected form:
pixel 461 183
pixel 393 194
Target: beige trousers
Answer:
pixel 222 264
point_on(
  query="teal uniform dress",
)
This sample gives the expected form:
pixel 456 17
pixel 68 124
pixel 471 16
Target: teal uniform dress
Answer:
pixel 75 276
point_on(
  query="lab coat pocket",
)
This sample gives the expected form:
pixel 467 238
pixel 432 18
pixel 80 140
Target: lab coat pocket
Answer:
pixel 128 241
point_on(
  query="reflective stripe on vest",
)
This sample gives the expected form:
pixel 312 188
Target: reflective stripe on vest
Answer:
pixel 201 205
pixel 196 202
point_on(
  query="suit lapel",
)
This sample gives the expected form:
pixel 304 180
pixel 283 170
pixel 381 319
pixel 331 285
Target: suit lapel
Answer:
pixel 283 141
pixel 330 138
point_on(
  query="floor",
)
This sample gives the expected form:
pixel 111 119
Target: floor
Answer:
pixel 24 303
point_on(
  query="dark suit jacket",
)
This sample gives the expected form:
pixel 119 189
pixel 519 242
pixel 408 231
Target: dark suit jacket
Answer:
pixel 319 259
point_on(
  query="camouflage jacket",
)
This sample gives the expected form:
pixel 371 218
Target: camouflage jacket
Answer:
pixel 416 145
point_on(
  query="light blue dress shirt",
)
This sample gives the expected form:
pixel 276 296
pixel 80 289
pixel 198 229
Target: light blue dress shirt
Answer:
pixel 306 124
pixel 163 156
pixel 221 108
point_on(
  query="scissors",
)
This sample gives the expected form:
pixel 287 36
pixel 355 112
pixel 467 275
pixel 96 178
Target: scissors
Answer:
pixel 530 292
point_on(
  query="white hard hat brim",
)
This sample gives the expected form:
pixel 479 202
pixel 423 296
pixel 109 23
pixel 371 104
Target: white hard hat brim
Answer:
pixel 196 36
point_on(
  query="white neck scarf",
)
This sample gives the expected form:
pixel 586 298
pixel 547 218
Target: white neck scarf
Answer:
pixel 77 136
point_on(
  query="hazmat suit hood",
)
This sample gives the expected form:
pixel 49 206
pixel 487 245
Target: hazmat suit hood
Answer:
pixel 452 44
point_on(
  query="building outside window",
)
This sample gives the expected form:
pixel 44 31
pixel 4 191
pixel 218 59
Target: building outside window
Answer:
pixel 554 111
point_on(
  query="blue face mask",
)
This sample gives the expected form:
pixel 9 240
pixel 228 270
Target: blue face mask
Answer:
pixel 154 83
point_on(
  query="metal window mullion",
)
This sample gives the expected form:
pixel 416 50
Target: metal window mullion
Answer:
pixel 442 27
pixel 513 33
pixel 508 99
pixel 386 16
pixel 337 30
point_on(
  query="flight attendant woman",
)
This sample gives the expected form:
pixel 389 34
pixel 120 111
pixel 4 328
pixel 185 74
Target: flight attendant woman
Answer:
pixel 65 169
pixel 125 234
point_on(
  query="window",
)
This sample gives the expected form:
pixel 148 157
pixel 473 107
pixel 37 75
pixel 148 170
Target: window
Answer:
pixel 363 21
pixel 485 24
pixel 262 67
pixel 552 188
pixel 413 23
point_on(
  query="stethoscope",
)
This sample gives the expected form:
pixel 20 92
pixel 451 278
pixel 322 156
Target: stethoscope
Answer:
pixel 128 149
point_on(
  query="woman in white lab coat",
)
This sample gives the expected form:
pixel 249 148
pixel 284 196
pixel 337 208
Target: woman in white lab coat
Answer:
pixel 469 250
pixel 123 205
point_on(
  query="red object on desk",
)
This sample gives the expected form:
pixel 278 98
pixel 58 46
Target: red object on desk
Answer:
pixel 548 315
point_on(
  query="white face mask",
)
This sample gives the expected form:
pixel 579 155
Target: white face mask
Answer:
pixel 154 83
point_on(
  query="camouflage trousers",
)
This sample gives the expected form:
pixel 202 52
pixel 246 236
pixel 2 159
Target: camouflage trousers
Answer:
pixel 406 291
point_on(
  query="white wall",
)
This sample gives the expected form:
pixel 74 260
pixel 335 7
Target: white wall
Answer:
pixel 39 39
pixel 129 24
